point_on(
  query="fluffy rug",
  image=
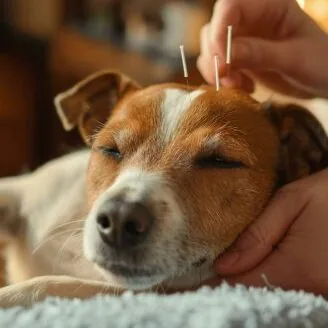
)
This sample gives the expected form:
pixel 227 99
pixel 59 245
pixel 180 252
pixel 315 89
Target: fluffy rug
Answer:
pixel 222 307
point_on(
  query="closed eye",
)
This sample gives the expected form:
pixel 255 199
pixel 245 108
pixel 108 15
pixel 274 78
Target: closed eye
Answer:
pixel 218 162
pixel 110 152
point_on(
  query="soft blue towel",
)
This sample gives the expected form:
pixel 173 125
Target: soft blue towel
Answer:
pixel 222 307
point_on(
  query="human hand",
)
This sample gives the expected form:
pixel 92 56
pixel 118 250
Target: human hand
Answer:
pixel 288 243
pixel 274 41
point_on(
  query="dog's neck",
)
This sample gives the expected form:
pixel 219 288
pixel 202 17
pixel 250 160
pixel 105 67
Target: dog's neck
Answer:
pixel 192 279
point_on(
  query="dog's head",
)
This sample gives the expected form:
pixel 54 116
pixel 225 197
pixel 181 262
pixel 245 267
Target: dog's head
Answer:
pixel 177 172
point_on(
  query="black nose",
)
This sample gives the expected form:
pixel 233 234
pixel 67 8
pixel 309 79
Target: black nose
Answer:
pixel 124 224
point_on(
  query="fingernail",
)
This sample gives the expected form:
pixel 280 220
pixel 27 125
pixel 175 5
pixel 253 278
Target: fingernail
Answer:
pixel 231 81
pixel 246 241
pixel 228 259
pixel 228 82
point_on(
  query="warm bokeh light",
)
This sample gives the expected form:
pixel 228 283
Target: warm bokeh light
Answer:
pixel 301 3
pixel 318 9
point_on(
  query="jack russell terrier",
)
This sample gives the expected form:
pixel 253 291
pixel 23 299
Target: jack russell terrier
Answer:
pixel 174 174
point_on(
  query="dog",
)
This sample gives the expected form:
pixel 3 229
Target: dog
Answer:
pixel 172 175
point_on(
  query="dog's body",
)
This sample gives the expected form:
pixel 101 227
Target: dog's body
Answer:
pixel 52 196
pixel 175 173
pixel 53 211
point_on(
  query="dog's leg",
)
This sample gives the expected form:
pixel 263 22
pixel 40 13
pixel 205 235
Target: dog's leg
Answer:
pixel 27 293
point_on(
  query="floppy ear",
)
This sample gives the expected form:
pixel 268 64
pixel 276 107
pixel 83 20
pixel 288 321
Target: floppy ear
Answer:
pixel 303 141
pixel 89 103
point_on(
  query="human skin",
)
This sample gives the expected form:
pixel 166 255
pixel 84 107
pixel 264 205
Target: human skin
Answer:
pixel 274 42
pixel 288 243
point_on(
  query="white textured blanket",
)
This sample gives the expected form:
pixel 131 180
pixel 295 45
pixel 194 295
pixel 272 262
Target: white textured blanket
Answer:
pixel 222 307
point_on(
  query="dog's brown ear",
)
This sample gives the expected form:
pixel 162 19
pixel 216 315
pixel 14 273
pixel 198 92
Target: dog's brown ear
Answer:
pixel 89 103
pixel 303 141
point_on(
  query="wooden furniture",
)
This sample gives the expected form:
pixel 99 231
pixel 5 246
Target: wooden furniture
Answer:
pixel 50 57
pixel 17 114
pixel 67 57
pixel 20 92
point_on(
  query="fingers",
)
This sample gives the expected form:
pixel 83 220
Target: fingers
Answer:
pixel 269 61
pixel 234 80
pixel 214 34
pixel 225 13
pixel 259 277
pixel 292 264
pixel 205 61
pixel 205 42
pixel 278 270
pixel 247 53
pixel 206 66
pixel 250 53
pixel 259 54
pixel 213 41
pixel 266 232
pixel 238 80
pixel 254 54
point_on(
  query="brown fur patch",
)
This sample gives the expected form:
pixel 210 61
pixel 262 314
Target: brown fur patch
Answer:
pixel 219 203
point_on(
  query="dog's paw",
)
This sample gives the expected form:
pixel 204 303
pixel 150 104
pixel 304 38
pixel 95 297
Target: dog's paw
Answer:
pixel 21 294
pixel 35 290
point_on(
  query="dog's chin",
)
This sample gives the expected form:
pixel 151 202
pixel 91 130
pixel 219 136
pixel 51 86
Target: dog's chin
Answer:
pixel 133 279
pixel 144 278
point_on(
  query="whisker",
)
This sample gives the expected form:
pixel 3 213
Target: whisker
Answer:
pixel 53 236
pixel 66 224
pixel 97 130
pixel 61 249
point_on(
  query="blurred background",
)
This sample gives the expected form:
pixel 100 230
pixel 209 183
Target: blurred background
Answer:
pixel 48 45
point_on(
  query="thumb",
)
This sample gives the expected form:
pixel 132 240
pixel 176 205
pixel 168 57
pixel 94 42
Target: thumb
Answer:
pixel 261 237
pixel 259 54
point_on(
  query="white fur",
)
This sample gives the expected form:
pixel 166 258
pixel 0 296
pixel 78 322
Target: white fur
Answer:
pixel 176 103
pixel 193 277
pixel 136 184
pixel 50 197
pixel 55 195
pixel 60 111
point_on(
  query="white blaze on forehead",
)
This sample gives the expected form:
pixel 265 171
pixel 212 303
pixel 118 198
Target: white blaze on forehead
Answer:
pixel 136 183
pixel 176 103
